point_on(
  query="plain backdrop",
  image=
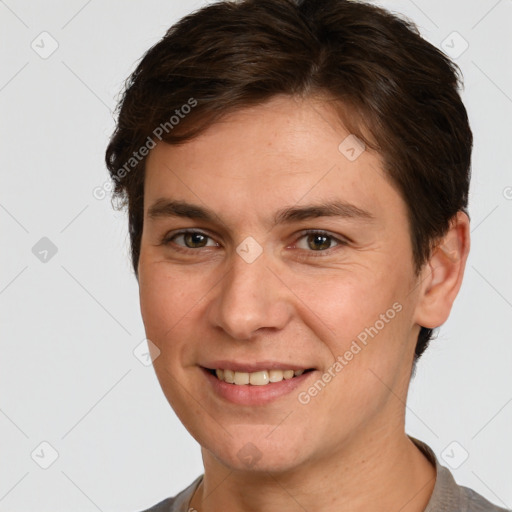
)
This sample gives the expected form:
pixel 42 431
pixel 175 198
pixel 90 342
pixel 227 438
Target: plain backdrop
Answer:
pixel 74 395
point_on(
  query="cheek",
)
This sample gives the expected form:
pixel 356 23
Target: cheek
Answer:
pixel 363 321
pixel 345 303
pixel 168 301
pixel 166 298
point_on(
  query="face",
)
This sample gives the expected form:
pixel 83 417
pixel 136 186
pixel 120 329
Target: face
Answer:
pixel 270 245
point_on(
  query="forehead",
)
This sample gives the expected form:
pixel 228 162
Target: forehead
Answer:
pixel 283 152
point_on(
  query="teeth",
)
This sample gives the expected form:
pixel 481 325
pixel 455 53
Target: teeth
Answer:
pixel 256 378
pixel 242 378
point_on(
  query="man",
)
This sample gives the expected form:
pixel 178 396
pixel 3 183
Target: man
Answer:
pixel 296 175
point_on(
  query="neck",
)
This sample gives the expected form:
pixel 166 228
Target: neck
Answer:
pixel 385 472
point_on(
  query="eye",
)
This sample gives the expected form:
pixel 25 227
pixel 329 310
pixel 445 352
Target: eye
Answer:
pixel 318 241
pixel 190 240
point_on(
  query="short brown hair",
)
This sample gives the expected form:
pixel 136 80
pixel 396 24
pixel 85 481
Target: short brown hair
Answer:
pixel 402 92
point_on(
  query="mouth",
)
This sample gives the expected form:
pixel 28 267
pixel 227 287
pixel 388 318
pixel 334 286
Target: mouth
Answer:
pixel 257 378
pixel 257 387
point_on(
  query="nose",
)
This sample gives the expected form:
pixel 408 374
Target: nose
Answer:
pixel 250 298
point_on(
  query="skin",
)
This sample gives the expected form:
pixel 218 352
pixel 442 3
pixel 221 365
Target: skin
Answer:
pixel 346 449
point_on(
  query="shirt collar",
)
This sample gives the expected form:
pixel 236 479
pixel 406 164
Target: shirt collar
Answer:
pixel 446 495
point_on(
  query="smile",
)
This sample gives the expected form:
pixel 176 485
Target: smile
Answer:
pixel 259 378
pixel 254 383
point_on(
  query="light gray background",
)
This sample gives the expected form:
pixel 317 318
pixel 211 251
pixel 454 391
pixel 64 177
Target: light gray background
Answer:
pixel 68 375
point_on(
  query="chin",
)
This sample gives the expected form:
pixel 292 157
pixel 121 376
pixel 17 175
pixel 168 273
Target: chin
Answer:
pixel 257 453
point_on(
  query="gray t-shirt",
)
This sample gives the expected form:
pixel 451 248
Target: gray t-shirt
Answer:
pixel 447 495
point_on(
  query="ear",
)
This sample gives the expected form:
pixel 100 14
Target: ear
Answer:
pixel 442 275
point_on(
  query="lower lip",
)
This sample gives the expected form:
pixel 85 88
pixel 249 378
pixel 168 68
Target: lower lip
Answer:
pixel 255 395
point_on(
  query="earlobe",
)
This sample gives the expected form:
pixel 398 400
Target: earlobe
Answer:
pixel 442 276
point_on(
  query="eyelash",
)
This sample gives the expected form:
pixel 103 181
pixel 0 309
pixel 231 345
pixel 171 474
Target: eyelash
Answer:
pixel 322 253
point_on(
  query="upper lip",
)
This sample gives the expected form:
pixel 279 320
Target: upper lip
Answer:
pixel 238 366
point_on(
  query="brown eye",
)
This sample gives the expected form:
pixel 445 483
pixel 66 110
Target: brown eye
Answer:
pixel 190 240
pixel 317 241
pixel 194 240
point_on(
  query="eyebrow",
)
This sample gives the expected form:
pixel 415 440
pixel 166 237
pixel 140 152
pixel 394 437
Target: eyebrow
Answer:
pixel 174 208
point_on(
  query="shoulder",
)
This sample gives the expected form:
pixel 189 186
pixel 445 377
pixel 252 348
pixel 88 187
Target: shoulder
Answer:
pixel 477 503
pixel 178 503
pixel 166 505
pixel 448 495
